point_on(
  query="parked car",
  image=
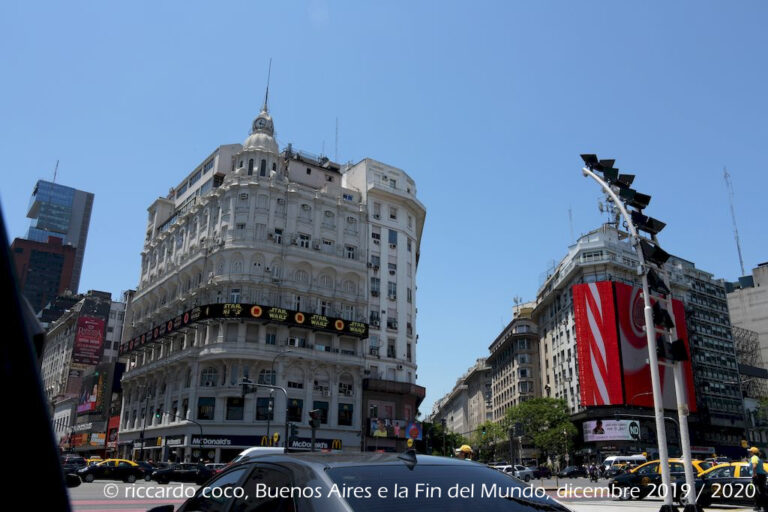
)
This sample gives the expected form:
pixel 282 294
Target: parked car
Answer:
pixel 367 474
pixel 71 463
pixel 184 472
pixel 631 460
pixel 647 477
pixel 524 473
pixel 542 472
pixel 572 472
pixel 148 469
pixel 616 469
pixel 112 469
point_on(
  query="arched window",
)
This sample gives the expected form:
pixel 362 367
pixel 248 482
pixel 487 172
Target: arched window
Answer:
pixel 302 276
pixel 237 266
pixel 350 286
pixel 209 377
pixel 266 377
pixel 263 168
pixel 346 385
pixel 250 166
pixel 326 281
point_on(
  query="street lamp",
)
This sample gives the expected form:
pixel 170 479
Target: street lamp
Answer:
pixel 272 380
pixel 617 187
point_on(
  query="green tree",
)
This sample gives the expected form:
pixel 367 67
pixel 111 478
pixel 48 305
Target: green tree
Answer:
pixel 485 438
pixel 444 443
pixel 546 422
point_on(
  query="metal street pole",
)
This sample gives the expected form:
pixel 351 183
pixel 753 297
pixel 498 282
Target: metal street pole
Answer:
pixel 246 382
pixel 650 333
pixel 271 405
pixel 143 426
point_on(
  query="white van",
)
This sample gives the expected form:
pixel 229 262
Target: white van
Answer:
pixel 632 460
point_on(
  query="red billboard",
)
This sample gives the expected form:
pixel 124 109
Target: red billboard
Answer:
pixel 596 346
pixel 634 352
pixel 89 340
pixel 613 350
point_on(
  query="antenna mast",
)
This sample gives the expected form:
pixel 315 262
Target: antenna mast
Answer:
pixel 729 186
pixel 55 170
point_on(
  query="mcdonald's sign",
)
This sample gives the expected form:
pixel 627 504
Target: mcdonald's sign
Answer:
pixel 265 441
pixel 336 444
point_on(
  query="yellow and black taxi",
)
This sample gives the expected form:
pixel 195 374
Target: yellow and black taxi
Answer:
pixel 113 469
pixel 645 479
pixel 729 483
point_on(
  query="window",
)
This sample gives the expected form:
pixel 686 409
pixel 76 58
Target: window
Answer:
pixel 209 377
pixel 304 241
pixel 409 245
pixel 206 407
pixel 410 222
pixel 250 167
pixel 295 407
pixel 345 415
pixel 234 408
pixel 375 286
pixel 392 268
pixel 391 290
pixel 263 168
pixel 244 196
pixel 348 197
pixel 309 170
pixel 391 352
pixel 234 295
pixel 393 213
pixel 409 295
pixel 323 406
pixel 266 377
pixel 271 338
pixel 351 252
pixel 393 183
pixel 392 237
pixel 278 236
pixel 260 479
pixel 376 237
pixel 265 409
pixel 329 178
pixel 376 210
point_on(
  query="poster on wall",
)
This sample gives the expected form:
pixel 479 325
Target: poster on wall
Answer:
pixel 611 430
pixel 89 340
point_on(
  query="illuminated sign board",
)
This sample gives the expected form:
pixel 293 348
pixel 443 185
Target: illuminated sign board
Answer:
pixel 248 311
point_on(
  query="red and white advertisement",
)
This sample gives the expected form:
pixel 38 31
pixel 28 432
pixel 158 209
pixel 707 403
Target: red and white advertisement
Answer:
pixel 89 340
pixel 634 352
pixel 597 346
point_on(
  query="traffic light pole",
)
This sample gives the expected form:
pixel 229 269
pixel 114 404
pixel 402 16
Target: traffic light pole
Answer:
pixel 650 333
pixel 246 389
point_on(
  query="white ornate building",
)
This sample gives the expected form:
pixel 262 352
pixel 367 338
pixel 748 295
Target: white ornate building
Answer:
pixel 260 265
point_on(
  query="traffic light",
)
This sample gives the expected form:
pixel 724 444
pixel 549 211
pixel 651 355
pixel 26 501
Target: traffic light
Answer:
pixel 294 430
pixel 484 430
pixel 653 253
pixel 158 414
pixel 314 418
pixel 656 284
pixel 661 316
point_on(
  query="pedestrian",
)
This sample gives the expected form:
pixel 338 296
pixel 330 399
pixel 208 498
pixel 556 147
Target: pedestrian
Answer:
pixel 758 479
pixel 465 452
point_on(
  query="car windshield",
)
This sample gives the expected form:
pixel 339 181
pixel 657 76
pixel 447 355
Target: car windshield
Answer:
pixel 448 488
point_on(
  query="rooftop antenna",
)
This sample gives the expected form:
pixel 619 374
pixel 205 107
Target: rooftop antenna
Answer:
pixel 55 170
pixel 266 94
pixel 729 186
pixel 336 148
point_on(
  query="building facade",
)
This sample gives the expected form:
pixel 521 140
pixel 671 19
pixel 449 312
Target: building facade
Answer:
pixel 44 269
pixel 514 362
pixel 256 266
pixel 748 305
pixel 63 212
pixel 468 405
pixel 606 255
pixel 86 335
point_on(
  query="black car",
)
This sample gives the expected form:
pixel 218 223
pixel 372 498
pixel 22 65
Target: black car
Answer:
pixel 729 483
pixel 370 482
pixel 646 478
pixel 572 472
pixel 542 472
pixel 71 463
pixel 112 469
pixel 186 472
pixel 148 469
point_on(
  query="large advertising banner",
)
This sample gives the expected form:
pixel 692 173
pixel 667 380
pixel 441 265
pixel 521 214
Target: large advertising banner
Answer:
pixel 89 340
pixel 597 345
pixel 634 352
pixel 611 430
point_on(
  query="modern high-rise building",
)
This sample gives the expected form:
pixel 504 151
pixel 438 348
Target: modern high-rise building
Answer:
pixel 63 212
pixel 44 269
pixel 606 256
pixel 272 266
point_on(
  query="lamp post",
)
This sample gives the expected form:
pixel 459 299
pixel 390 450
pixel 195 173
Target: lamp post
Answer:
pixel 144 422
pixel 645 251
pixel 247 385
pixel 272 380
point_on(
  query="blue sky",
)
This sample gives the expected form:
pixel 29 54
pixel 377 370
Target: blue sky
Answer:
pixel 487 107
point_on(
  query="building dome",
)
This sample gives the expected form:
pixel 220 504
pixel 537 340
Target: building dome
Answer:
pixel 262 134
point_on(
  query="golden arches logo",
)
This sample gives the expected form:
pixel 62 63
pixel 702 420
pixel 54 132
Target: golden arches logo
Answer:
pixel 264 441
pixel 256 311
pixel 336 444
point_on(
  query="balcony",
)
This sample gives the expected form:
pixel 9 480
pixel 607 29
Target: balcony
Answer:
pixel 394 387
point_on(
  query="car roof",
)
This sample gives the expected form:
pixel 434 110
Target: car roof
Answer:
pixel 333 460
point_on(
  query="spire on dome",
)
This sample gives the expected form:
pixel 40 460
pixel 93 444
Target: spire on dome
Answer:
pixel 265 108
